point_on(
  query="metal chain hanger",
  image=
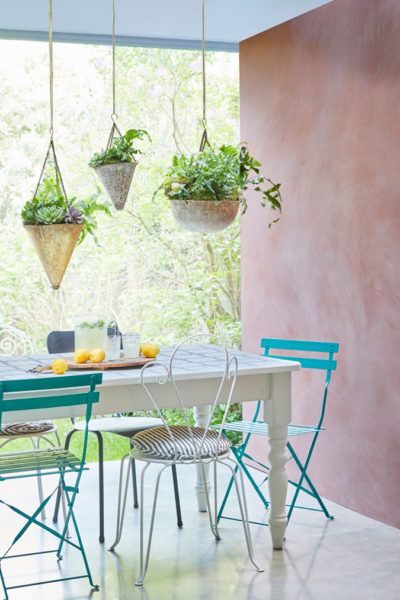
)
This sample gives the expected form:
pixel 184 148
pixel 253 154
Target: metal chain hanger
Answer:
pixel 204 138
pixel 51 148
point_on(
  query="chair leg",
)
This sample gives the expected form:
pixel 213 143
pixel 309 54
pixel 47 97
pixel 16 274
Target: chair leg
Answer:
pixel 213 526
pixel 134 480
pixel 241 496
pixel 177 499
pixel 101 485
pixel 121 509
pixel 303 470
pixel 36 445
pixel 58 498
pixel 144 563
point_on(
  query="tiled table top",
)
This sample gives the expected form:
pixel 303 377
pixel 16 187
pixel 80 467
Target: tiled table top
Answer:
pixel 199 360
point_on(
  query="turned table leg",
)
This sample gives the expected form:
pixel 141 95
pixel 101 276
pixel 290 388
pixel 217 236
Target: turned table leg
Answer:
pixel 277 415
pixel 201 417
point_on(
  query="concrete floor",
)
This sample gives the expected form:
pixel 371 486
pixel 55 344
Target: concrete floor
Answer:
pixel 349 558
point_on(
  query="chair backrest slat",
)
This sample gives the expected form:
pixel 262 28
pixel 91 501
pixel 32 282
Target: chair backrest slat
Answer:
pixel 310 363
pixel 327 364
pixel 300 345
pixel 49 401
pixel 51 384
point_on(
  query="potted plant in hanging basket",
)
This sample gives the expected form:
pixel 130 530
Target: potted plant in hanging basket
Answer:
pixel 55 225
pixel 116 164
pixel 205 189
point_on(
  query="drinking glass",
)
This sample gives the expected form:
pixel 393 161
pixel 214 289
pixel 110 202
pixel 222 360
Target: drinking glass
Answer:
pixel 113 346
pixel 131 345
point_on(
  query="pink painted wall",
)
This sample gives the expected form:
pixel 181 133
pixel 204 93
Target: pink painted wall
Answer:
pixel 320 108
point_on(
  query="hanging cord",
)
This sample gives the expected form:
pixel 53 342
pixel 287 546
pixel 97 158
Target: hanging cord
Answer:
pixel 51 65
pixel 204 138
pixel 51 147
pixel 114 115
pixel 114 127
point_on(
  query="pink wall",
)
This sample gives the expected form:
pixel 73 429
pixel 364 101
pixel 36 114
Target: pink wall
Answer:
pixel 320 108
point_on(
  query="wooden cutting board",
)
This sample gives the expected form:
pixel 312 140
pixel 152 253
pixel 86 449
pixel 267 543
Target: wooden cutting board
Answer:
pixel 123 363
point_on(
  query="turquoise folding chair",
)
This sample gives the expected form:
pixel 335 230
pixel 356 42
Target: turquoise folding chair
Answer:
pixel 48 461
pixel 258 427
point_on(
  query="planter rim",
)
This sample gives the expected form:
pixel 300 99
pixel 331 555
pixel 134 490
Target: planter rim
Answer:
pixel 121 162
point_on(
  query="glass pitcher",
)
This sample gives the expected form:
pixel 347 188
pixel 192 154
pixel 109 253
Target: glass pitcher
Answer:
pixel 90 331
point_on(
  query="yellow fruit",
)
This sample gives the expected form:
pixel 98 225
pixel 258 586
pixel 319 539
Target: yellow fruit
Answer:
pixel 150 350
pixel 141 349
pixel 59 366
pixel 81 355
pixel 97 355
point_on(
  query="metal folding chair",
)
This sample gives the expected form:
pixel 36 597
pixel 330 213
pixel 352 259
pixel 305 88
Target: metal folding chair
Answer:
pixel 48 461
pixel 258 427
pixel 170 445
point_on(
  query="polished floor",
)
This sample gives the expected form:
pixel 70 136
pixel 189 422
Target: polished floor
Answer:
pixel 349 558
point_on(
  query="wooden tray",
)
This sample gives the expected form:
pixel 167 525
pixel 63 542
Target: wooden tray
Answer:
pixel 123 363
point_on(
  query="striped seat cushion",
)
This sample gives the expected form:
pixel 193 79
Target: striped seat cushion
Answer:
pixel 156 443
pixel 30 428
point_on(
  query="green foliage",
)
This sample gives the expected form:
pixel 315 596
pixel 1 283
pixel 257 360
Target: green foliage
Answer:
pixel 47 206
pixel 122 149
pixel 50 207
pixel 96 325
pixel 219 175
pixel 150 276
pixel 88 207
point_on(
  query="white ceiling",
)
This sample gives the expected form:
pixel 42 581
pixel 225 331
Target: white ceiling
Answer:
pixel 158 23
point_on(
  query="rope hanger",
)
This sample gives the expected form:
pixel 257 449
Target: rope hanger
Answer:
pixel 204 138
pixel 51 148
pixel 114 127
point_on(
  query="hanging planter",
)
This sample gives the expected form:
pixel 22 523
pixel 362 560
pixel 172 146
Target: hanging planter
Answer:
pixel 204 216
pixel 55 224
pixel 54 245
pixel 116 164
pixel 205 189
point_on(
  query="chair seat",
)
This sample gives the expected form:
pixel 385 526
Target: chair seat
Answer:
pixel 156 443
pixel 261 428
pixel 27 429
pixel 126 426
pixel 15 464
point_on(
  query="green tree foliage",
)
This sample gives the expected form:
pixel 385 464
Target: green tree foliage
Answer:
pixel 148 274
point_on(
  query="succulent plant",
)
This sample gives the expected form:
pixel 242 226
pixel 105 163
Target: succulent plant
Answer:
pixel 49 215
pixel 73 215
pixel 50 206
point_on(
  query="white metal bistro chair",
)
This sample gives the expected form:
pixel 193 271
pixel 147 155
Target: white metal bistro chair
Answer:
pixel 170 445
pixel 14 341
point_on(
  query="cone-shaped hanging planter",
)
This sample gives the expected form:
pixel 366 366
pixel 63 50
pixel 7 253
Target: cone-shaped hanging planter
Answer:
pixel 54 245
pixel 117 179
pixel 204 216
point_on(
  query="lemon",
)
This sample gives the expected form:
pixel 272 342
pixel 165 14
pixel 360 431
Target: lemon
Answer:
pixel 97 355
pixel 59 366
pixel 81 355
pixel 141 349
pixel 150 350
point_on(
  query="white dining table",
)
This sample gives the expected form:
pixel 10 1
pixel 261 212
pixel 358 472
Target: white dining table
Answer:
pixel 196 369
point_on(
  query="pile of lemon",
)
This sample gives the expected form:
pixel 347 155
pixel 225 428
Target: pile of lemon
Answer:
pixel 97 355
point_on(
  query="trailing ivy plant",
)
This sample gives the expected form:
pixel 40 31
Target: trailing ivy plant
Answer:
pixel 50 207
pixel 217 175
pixel 122 149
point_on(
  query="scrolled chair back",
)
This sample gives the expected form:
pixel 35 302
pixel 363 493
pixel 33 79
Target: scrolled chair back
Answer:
pixel 13 341
pixel 205 442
